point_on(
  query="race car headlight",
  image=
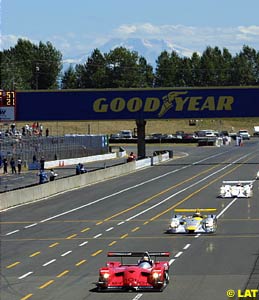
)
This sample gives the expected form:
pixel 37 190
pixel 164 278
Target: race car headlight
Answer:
pixel 174 224
pixel 156 275
pixel 106 275
pixel 209 223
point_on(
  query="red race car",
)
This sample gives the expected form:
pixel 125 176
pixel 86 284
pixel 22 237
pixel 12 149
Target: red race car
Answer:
pixel 145 274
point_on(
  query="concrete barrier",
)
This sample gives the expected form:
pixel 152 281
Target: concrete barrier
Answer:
pixel 41 191
pixel 143 163
pixel 75 161
pixel 26 195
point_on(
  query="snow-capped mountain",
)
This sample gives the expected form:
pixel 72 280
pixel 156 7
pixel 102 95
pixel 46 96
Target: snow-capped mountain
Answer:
pixel 150 49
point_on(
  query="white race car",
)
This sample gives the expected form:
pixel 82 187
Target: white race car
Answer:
pixel 238 189
pixel 194 223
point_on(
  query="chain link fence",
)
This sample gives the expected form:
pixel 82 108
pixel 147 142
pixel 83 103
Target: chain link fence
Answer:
pixel 31 148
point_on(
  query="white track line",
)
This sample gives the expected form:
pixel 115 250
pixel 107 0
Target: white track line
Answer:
pixel 120 223
pixel 171 261
pixel 25 275
pixel 222 212
pixel 186 246
pixel 138 296
pixel 66 253
pixel 49 262
pixel 82 244
pixel 98 235
pixel 109 229
pixel 12 232
pixel 178 254
pixel 31 225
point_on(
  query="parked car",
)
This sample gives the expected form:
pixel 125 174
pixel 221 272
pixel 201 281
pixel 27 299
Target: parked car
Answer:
pixel 190 136
pixel 256 130
pixel 207 133
pixel 115 136
pixel 125 134
pixel 244 134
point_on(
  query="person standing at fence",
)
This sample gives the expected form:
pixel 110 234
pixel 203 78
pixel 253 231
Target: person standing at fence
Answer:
pixel 5 162
pixel 12 164
pixel 42 163
pixel 19 165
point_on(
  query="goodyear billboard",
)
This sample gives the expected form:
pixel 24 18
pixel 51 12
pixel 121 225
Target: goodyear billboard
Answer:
pixel 133 104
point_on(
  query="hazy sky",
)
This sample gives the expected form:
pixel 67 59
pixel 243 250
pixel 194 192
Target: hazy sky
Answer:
pixel 78 26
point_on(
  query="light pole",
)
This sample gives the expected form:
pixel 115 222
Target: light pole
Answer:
pixel 37 69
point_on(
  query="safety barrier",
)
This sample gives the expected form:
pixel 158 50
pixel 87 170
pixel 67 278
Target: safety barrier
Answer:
pixel 43 191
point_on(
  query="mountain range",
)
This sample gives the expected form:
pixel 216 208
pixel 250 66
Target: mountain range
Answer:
pixel 150 49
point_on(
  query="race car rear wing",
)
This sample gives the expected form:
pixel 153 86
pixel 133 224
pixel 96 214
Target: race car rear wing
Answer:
pixel 194 209
pixel 238 181
pixel 138 254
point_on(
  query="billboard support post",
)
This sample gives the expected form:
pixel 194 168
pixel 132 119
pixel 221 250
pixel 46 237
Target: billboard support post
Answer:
pixel 141 124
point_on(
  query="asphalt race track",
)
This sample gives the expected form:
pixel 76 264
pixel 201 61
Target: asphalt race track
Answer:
pixel 53 249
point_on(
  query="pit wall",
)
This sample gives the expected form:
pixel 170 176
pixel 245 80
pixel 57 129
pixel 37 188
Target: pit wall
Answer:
pixel 42 191
pixel 75 161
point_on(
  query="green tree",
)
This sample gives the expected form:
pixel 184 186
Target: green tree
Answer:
pixel 195 66
pixel 30 66
pixel 146 76
pixel 93 73
pixel 122 68
pixel 185 74
pixel 163 67
pixel 246 70
pixel 226 68
pixel 69 79
pixel 168 71
pixel 211 64
pixel 47 66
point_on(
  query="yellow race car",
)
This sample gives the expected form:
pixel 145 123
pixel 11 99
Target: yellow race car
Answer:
pixel 196 222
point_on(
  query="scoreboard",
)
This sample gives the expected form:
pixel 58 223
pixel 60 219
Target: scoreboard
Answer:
pixel 7 105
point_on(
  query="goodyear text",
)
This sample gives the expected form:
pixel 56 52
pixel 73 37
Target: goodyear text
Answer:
pixel 177 101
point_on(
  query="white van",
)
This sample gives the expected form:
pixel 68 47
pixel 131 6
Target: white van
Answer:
pixel 125 134
pixel 244 134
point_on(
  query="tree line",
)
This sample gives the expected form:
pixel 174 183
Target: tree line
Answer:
pixel 28 66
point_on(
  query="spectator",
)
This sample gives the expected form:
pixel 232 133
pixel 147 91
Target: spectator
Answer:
pixel 34 159
pixel 78 169
pixel 13 128
pixel 43 177
pixel 82 169
pixel 131 157
pixel 12 164
pixel 42 163
pixel 5 162
pixel 47 132
pixel 52 175
pixel 19 165
pixel 40 128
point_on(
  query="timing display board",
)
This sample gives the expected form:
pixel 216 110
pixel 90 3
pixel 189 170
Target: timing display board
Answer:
pixel 133 104
pixel 7 105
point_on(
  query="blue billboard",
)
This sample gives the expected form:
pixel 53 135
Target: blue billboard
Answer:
pixel 134 104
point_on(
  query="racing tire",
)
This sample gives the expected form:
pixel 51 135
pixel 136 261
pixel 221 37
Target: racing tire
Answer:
pixel 164 285
pixel 167 278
